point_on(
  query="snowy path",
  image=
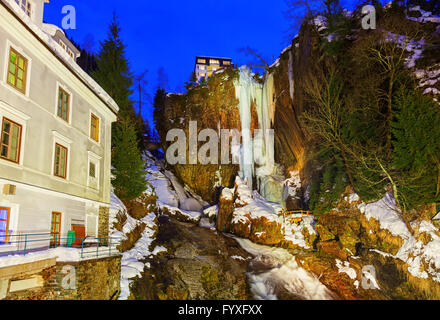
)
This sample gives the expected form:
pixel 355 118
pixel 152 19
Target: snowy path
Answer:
pixel 283 274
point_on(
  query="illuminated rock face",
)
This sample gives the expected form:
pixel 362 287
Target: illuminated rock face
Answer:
pixel 237 99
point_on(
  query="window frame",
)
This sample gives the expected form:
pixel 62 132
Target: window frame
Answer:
pixel 29 6
pixel 97 129
pixel 66 158
pixel 11 50
pixel 12 45
pixel 52 232
pixel 4 241
pixel 70 53
pixel 17 161
pixel 93 182
pixel 62 44
pixel 60 89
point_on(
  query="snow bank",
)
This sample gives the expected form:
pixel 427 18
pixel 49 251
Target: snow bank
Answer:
pixel 250 205
pixel 423 259
pixel 426 16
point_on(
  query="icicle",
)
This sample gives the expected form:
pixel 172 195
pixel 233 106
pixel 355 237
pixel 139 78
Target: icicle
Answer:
pixel 291 81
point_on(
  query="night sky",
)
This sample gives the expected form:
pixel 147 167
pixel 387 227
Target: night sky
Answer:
pixel 170 33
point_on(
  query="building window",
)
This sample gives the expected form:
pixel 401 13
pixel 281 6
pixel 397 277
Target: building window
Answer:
pixel 70 52
pixel 10 140
pixel 92 170
pixel 202 67
pixel 214 61
pixel 17 70
pixel 63 104
pixel 201 61
pixel 5 233
pixel 94 127
pixel 25 5
pixel 60 168
pixel 62 44
pixel 201 75
pixel 226 63
pixel 55 229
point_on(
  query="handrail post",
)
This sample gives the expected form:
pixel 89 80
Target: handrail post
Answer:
pixel 82 247
pixel 25 243
pixel 97 249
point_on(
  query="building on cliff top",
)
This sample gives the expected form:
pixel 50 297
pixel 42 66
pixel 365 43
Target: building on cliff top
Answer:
pixel 205 67
pixel 55 146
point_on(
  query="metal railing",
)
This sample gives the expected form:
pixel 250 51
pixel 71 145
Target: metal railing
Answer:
pixel 295 216
pixel 90 247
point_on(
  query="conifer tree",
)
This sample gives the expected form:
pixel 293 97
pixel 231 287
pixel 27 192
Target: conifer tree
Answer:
pixel 416 156
pixel 128 166
pixel 113 71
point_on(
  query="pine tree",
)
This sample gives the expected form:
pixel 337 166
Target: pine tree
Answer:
pixel 128 167
pixel 416 156
pixel 113 71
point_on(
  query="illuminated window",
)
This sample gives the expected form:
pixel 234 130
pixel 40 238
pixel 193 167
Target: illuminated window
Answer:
pixel 17 71
pixel 214 61
pixel 70 52
pixel 201 61
pixel 94 127
pixel 25 5
pixel 4 225
pixel 201 75
pixel 202 67
pixel 63 104
pixel 60 169
pixel 55 229
pixel 226 63
pixel 10 140
pixel 62 44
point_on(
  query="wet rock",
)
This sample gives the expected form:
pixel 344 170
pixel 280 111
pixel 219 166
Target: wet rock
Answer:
pixel 225 211
pixel 332 248
pixel 197 265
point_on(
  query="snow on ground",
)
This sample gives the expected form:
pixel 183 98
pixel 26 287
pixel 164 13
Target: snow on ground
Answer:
pixel 173 197
pixel 62 254
pixel 426 16
pixel 293 184
pixel 285 272
pixel 250 205
pixel 414 252
pixel 131 263
pixel 253 205
pixel 415 48
pixel 293 231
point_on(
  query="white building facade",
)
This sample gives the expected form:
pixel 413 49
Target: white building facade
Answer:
pixel 55 121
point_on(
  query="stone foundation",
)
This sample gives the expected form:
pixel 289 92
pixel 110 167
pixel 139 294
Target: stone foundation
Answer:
pixel 97 279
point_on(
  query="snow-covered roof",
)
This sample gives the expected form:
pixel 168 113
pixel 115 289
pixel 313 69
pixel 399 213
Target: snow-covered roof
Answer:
pixel 46 37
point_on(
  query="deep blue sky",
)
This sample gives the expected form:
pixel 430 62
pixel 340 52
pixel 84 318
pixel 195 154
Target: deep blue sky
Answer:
pixel 170 33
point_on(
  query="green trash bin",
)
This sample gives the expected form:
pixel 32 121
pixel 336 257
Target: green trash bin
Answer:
pixel 70 238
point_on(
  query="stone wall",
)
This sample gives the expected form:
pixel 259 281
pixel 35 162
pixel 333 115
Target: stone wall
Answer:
pixel 103 222
pixel 97 279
